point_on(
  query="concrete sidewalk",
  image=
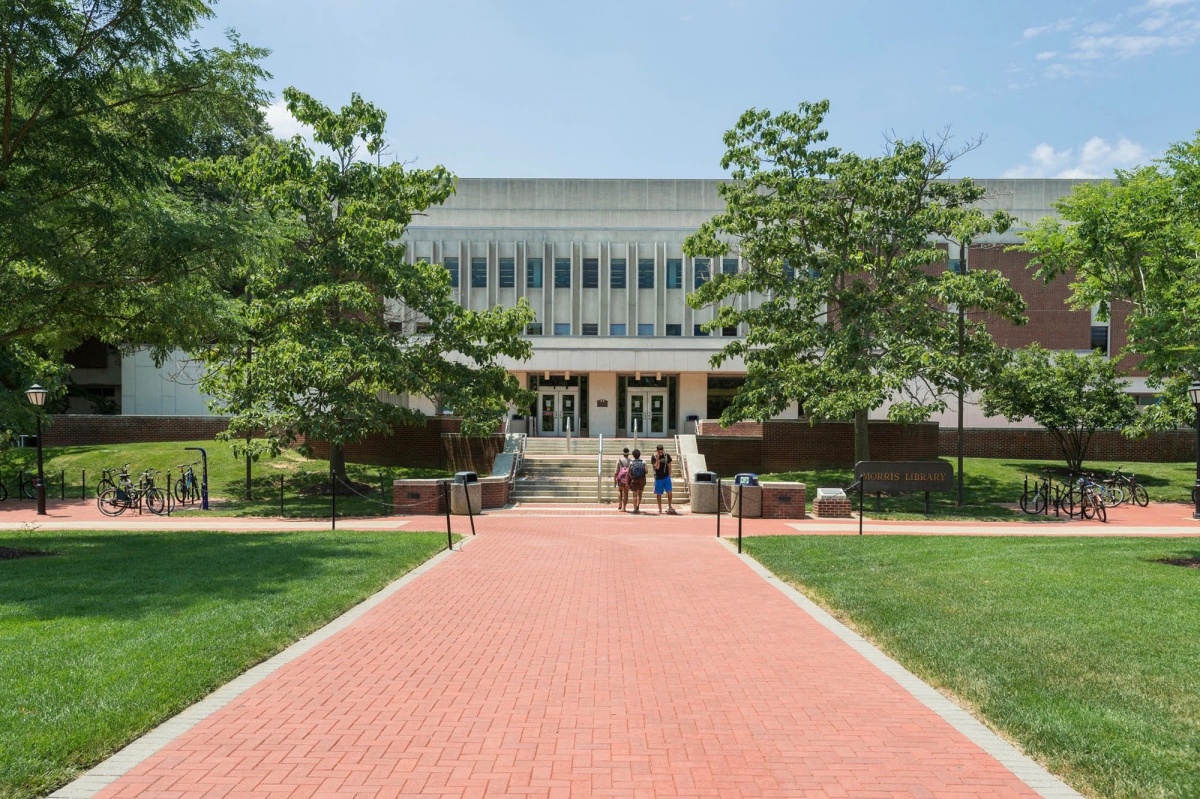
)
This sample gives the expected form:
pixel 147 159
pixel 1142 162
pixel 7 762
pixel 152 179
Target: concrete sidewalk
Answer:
pixel 611 656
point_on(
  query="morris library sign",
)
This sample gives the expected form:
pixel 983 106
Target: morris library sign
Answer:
pixel 898 476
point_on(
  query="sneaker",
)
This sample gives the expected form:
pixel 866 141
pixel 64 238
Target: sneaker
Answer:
pixel 672 512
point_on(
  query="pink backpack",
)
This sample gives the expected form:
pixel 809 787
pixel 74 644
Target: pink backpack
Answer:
pixel 623 476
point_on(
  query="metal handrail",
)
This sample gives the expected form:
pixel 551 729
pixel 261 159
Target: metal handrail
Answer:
pixel 600 471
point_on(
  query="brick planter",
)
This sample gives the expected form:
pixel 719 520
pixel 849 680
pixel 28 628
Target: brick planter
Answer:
pixel 832 505
pixel 426 497
pixel 783 500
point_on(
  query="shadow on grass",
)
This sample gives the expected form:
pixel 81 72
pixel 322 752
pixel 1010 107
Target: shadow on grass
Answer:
pixel 137 574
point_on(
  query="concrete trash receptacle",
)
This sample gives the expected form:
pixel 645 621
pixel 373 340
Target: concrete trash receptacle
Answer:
pixel 702 493
pixel 745 501
pixel 465 488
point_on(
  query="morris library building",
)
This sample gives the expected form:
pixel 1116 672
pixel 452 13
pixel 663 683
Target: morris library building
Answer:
pixel 616 347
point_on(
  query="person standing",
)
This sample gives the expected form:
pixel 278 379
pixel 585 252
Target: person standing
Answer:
pixel 637 480
pixel 661 462
pixel 621 479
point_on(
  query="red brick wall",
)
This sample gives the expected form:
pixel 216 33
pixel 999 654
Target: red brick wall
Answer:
pixel 68 430
pixel 1051 322
pixel 729 455
pixel 783 500
pixel 471 453
pixel 427 497
pixel 1038 444
pixel 711 427
pixel 794 445
pixel 407 446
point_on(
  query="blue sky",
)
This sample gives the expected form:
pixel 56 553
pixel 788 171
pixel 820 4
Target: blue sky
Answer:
pixel 537 88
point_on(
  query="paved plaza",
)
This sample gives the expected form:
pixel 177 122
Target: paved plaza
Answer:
pixel 581 653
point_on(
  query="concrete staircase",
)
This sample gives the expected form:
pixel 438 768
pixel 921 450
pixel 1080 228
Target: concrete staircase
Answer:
pixel 550 473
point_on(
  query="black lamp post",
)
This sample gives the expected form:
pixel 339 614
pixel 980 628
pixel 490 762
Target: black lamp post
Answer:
pixel 37 395
pixel 1194 394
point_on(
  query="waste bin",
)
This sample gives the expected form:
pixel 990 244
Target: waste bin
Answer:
pixel 691 423
pixel 703 492
pixel 466 487
pixel 745 497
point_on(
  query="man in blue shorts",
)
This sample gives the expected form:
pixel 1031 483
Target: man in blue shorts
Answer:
pixel 661 462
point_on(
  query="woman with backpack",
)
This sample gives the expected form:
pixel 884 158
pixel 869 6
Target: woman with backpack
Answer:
pixel 637 480
pixel 621 479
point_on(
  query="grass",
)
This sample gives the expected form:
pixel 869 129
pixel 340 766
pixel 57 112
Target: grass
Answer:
pixel 306 480
pixel 117 632
pixel 992 487
pixel 1083 650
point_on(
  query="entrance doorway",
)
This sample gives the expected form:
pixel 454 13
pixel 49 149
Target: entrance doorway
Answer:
pixel 647 412
pixel 558 411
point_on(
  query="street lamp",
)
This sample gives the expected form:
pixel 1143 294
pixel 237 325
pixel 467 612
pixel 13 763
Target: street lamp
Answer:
pixel 37 395
pixel 1194 394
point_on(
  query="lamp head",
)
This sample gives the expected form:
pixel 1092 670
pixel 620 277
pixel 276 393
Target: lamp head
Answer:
pixel 36 394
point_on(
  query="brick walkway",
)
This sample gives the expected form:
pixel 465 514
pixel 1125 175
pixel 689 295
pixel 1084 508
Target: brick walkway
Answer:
pixel 551 657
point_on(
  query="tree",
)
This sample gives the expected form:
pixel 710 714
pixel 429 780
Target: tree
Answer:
pixel 842 251
pixel 1135 242
pixel 96 100
pixel 323 339
pixel 1072 396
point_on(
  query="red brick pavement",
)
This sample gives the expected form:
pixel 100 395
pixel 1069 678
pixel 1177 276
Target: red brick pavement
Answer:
pixel 577 658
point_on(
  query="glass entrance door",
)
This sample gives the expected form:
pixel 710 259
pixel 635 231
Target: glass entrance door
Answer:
pixel 558 412
pixel 648 413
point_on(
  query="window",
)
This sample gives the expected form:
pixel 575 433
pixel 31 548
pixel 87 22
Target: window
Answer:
pixel 729 266
pixel 701 265
pixel 562 328
pixel 616 330
pixel 589 329
pixel 533 329
pixel 698 331
pixel 1100 338
pixel 452 268
pixel 674 273
pixel 591 273
pixel 646 330
pixel 645 273
pixel 422 327
pixel 954 265
pixel 616 274
pixel 674 330
pixel 729 330
pixel 479 273
pixel 789 271
pixel 508 273
pixel 562 273
pixel 533 273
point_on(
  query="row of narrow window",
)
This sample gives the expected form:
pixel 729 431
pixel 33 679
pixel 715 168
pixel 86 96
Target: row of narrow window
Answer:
pixel 617 274
pixel 592 329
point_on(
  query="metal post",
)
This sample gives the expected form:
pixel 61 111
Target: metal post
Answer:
pixel 332 498
pixel 203 476
pixel 741 509
pixel 83 484
pixel 41 483
pixel 62 484
pixel 170 493
pixel 860 506
pixel 966 248
pixel 1195 490
pixel 281 512
pixel 446 498
pixel 718 507
pixel 467 496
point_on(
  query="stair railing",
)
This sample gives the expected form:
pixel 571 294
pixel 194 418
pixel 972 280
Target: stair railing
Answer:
pixel 600 471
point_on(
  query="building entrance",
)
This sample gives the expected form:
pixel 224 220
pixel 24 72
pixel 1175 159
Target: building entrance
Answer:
pixel 647 412
pixel 558 411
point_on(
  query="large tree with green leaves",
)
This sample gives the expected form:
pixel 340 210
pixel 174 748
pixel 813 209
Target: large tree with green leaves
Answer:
pixel 323 340
pixel 1134 242
pixel 1071 395
pixel 850 308
pixel 97 98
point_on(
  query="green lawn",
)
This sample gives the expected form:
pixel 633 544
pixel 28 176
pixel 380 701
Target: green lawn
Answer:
pixel 117 632
pixel 1084 650
pixel 305 480
pixel 992 487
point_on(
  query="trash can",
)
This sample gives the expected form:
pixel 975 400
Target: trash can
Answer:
pixel 466 487
pixel 691 423
pixel 745 496
pixel 703 492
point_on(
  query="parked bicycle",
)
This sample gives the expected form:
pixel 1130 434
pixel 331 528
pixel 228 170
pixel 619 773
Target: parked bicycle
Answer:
pixel 115 501
pixel 111 478
pixel 187 487
pixel 1132 489
pixel 1091 501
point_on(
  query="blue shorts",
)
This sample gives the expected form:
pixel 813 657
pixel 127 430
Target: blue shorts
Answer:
pixel 662 485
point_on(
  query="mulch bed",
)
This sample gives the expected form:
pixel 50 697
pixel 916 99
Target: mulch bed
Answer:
pixel 8 553
pixel 1187 563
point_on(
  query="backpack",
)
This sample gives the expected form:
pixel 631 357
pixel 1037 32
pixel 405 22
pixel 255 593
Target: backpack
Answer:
pixel 623 476
pixel 637 469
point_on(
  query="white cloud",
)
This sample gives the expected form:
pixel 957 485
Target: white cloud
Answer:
pixel 282 123
pixel 1166 3
pixel 1046 55
pixel 1095 158
pixel 1054 27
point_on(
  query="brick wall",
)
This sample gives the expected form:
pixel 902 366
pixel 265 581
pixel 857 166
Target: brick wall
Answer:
pixel 728 455
pixel 471 453
pixel 68 430
pixel 783 500
pixel 711 427
pixel 427 497
pixel 788 445
pixel 417 446
pixel 1038 444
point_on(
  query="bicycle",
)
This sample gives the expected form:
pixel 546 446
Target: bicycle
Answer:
pixel 26 486
pixel 1091 504
pixel 3 491
pixel 1036 500
pixel 107 480
pixel 115 501
pixel 187 487
pixel 1135 490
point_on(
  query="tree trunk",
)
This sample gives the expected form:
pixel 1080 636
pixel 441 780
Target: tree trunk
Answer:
pixel 249 465
pixel 337 464
pixel 862 440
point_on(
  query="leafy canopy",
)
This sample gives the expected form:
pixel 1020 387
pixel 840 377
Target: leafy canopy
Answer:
pixel 1132 245
pixel 849 308
pixel 323 343
pixel 1070 395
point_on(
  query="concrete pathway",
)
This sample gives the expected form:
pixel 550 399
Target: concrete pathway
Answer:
pixel 593 656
